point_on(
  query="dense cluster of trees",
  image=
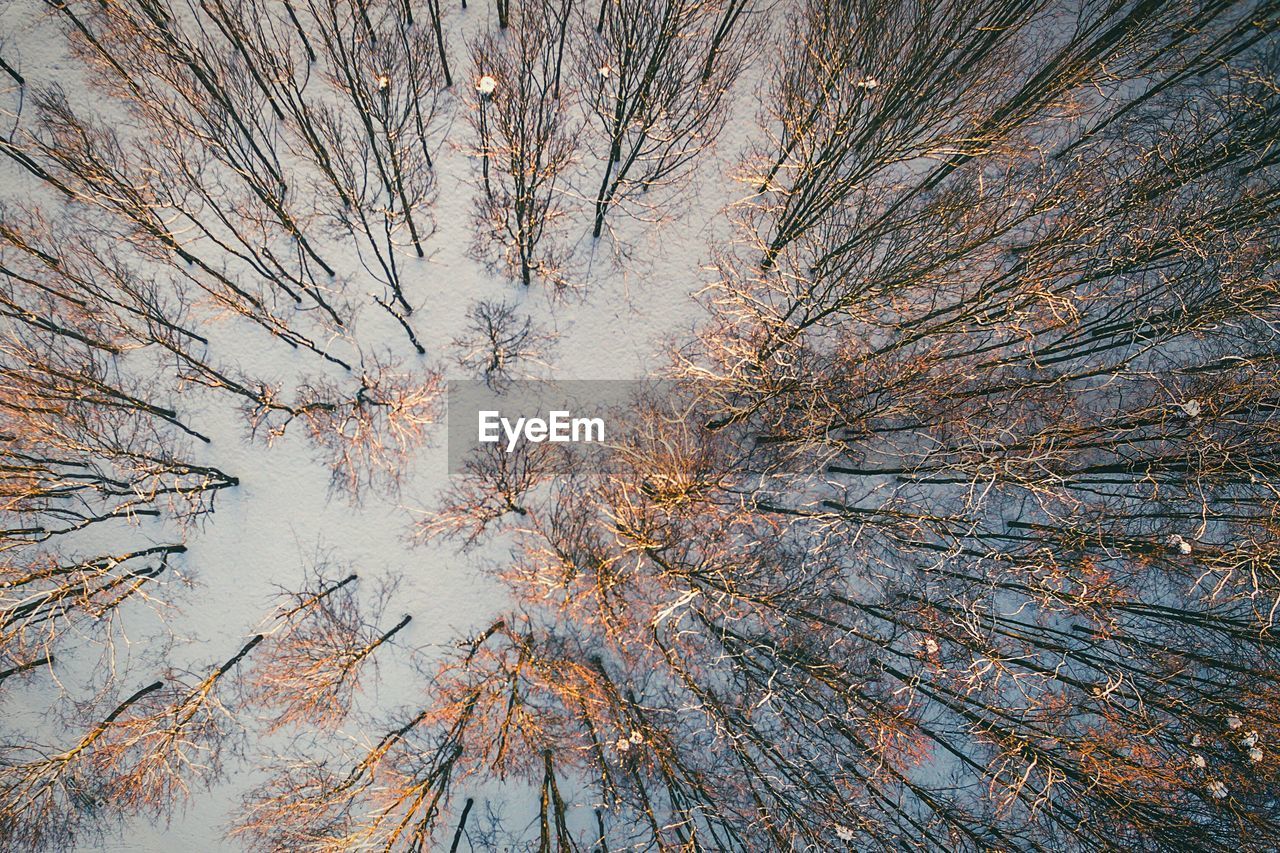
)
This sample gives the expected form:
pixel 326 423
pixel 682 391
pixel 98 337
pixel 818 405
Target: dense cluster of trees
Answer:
pixel 956 526
pixel 963 531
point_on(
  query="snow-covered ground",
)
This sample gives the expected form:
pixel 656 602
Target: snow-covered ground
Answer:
pixel 634 294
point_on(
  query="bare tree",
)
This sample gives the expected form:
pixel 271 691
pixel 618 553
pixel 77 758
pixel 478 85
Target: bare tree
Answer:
pixel 522 123
pixel 656 78
pixel 141 758
pixel 498 342
pixel 367 439
pixel 312 662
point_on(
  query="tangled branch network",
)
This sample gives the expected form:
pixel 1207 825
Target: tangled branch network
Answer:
pixel 947 517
